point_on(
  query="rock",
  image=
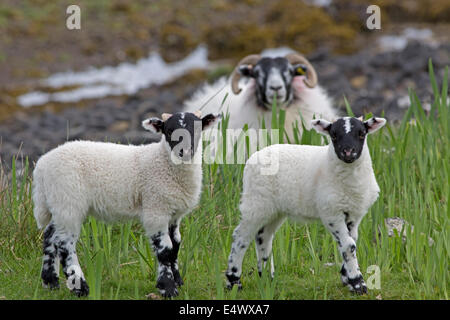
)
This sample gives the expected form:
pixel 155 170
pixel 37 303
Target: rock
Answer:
pixel 119 126
pixel 153 296
pixel 397 225
pixel 359 82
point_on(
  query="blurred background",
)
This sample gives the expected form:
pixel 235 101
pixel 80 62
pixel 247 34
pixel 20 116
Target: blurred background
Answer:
pixel 133 59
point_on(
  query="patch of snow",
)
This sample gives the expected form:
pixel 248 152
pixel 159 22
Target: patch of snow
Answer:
pixel 126 78
pixel 399 42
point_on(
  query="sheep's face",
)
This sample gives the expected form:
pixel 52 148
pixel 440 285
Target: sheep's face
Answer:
pixel 348 135
pixel 181 131
pixel 273 79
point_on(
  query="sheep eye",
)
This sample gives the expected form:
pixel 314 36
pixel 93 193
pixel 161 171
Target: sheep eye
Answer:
pixel 362 135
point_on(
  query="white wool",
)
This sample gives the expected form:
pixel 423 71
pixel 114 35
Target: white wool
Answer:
pixel 243 109
pixel 311 183
pixel 113 182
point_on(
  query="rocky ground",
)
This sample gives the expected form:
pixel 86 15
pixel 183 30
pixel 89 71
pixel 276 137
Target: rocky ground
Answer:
pixel 372 82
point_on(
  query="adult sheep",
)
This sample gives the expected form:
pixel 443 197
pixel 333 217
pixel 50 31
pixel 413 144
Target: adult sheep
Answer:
pixel 157 183
pixel 334 184
pixel 254 84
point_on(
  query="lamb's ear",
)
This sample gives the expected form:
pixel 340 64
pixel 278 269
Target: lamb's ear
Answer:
pixel 154 125
pixel 373 124
pixel 209 120
pixel 166 116
pixel 321 126
pixel 246 70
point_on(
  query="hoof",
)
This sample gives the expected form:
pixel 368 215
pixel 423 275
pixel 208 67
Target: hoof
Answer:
pixel 177 278
pixel 233 280
pixel 50 280
pixel 76 282
pixel 357 285
pixel 231 285
pixel 169 292
pixel 83 290
pixel 167 288
pixel 52 285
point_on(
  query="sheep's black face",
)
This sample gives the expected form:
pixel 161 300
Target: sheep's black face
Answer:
pixel 182 131
pixel 348 135
pixel 273 77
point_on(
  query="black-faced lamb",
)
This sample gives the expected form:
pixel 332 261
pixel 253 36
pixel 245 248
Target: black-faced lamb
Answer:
pixel 334 183
pixel 157 183
pixel 254 84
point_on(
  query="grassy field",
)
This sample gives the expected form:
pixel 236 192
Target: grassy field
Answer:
pixel 411 162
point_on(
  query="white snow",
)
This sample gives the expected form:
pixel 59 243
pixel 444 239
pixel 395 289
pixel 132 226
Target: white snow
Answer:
pixel 126 78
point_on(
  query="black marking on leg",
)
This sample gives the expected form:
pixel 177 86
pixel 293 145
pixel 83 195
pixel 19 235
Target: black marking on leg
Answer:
pixel 174 256
pixel 344 277
pixel 48 274
pixel 350 226
pixel 234 270
pixel 233 280
pixel 156 240
pixel 344 256
pixel 63 254
pixel 259 240
pixel 343 271
pixel 166 282
pixel 336 236
pixel 261 231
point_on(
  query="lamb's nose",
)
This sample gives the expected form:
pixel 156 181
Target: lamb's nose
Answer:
pixel 348 151
pixel 275 88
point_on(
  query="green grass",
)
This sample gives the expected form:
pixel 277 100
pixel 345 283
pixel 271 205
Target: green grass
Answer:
pixel 411 162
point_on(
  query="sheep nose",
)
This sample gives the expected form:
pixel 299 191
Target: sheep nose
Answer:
pixel 275 88
pixel 348 151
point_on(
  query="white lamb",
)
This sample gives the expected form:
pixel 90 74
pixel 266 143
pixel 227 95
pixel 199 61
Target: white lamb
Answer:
pixel 117 182
pixel 291 80
pixel 333 183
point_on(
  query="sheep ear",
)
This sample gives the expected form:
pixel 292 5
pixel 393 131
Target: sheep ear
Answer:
pixel 209 120
pixel 246 70
pixel 321 126
pixel 198 114
pixel 154 125
pixel 166 116
pixel 373 124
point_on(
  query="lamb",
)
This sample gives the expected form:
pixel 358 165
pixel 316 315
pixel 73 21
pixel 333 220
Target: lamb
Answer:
pixel 157 183
pixel 333 183
pixel 291 80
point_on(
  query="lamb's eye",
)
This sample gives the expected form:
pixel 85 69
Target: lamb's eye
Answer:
pixel 333 137
pixel 362 135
